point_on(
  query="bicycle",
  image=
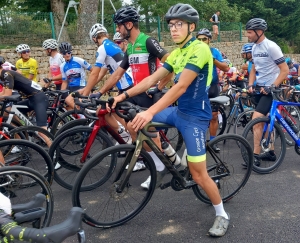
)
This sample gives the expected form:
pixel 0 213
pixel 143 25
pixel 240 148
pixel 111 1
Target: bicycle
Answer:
pixel 72 148
pixel 117 197
pixel 272 132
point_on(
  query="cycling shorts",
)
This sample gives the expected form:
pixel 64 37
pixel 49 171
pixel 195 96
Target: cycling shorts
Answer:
pixel 192 128
pixel 142 100
pixel 264 102
pixel 213 92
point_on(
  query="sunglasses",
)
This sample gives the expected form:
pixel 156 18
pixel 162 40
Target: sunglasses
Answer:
pixel 24 52
pixel 203 39
pixel 65 53
pixel 118 42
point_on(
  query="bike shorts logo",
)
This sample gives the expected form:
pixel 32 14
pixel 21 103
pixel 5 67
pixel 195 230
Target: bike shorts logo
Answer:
pixel 199 139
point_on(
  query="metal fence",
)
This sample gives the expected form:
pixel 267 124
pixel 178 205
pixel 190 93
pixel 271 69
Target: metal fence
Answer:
pixel 34 28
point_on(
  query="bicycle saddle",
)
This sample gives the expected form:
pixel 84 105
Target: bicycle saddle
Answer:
pixel 220 99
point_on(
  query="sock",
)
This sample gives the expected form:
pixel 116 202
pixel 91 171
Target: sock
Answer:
pixel 272 152
pixel 220 118
pixel 220 210
pixel 211 137
pixel 159 165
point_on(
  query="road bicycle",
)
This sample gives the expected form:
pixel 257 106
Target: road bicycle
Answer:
pixel 117 196
pixel 272 136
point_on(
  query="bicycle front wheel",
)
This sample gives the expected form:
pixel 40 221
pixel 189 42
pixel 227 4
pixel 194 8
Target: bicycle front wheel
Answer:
pixel 225 167
pixel 277 143
pixel 104 206
pixel 21 184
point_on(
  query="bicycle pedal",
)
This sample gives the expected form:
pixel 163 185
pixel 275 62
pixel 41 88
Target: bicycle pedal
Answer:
pixel 164 186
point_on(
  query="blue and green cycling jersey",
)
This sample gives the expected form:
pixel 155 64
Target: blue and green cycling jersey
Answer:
pixel 196 56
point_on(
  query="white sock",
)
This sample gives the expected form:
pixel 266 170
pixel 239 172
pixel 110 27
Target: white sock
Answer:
pixel 220 118
pixel 220 210
pixel 159 165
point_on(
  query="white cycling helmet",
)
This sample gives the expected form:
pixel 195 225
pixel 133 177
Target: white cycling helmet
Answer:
pixel 96 29
pixel 50 44
pixel 22 47
pixel 117 36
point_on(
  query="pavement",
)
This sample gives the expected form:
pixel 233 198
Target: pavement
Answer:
pixel 266 210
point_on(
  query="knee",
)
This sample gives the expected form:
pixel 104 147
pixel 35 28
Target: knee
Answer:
pixel 69 100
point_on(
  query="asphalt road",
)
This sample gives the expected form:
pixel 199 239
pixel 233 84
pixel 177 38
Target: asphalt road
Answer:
pixel 266 210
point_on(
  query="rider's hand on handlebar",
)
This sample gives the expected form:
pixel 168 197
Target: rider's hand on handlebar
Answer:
pixel 250 89
pixel 153 90
pixel 95 95
pixel 141 119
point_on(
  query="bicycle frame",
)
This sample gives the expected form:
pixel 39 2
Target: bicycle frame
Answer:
pixel 275 115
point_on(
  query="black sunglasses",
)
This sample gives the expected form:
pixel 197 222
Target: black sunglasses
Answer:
pixel 65 53
pixel 24 52
pixel 118 42
pixel 203 39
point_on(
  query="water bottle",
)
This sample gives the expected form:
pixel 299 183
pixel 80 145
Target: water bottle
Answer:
pixel 292 124
pixel 171 153
pixel 183 159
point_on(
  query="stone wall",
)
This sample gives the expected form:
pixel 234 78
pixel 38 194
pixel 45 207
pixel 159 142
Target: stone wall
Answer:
pixel 231 49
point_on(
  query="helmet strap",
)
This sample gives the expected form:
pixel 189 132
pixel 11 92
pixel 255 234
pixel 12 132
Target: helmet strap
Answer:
pixel 128 32
pixel 258 36
pixel 188 34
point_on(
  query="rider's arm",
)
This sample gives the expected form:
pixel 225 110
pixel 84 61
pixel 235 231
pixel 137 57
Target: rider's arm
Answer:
pixel 221 65
pixel 252 75
pixel 64 85
pixel 9 84
pixel 113 79
pixel 284 71
pixel 92 81
pixel 102 73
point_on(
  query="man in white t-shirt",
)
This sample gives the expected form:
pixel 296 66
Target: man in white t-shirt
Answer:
pixel 215 25
pixel 270 69
pixel 55 60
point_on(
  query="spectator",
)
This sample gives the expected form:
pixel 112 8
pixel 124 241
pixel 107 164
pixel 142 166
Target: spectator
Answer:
pixel 215 25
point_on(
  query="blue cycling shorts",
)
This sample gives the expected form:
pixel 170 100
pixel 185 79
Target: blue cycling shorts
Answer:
pixel 192 128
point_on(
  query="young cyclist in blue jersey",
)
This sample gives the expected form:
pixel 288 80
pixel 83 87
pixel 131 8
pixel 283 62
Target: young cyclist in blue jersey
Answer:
pixel 206 36
pixel 269 69
pixel 72 71
pixel 192 63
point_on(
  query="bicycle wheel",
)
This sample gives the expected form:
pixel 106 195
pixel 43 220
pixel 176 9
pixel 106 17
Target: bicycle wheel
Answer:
pixel 222 119
pixel 241 121
pixel 277 141
pixel 225 167
pixel 72 124
pixel 231 117
pixel 20 184
pixel 67 150
pixel 27 154
pixel 227 107
pixel 33 134
pixel 104 206
pixel 173 136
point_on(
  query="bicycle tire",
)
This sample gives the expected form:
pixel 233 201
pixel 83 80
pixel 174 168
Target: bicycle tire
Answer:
pixel 105 197
pixel 294 115
pixel 267 166
pixel 68 149
pixel 222 127
pixel 227 107
pixel 19 194
pixel 27 150
pixel 30 133
pixel 230 169
pixel 230 118
pixel 72 124
pixel 242 120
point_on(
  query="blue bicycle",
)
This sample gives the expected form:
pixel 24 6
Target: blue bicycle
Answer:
pixel 267 134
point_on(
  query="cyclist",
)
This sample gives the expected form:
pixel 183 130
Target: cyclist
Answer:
pixel 247 56
pixel 142 55
pixel 120 41
pixel 192 63
pixel 55 60
pixel 269 69
pixel 293 72
pixel 206 36
pixel 35 99
pixel 72 71
pixel 26 65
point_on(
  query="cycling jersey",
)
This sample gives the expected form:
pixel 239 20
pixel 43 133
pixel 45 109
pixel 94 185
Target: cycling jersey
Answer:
pixel 195 56
pixel 267 55
pixel 28 67
pixel 218 56
pixel 110 55
pixel 142 57
pixel 8 66
pixel 293 71
pixel 55 63
pixel 73 71
pixel 15 80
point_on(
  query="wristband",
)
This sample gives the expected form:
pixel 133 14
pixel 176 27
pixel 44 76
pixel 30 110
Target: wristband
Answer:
pixel 126 94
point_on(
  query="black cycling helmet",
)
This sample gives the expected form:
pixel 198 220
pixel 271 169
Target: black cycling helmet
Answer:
pixel 256 24
pixel 65 47
pixel 2 60
pixel 205 32
pixel 126 14
pixel 182 11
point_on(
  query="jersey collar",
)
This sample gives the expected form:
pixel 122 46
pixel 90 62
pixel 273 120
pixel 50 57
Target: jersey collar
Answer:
pixel 188 43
